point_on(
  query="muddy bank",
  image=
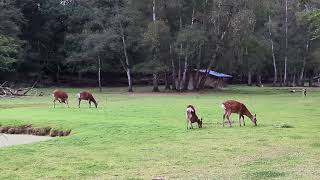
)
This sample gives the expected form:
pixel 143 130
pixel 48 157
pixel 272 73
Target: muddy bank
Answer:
pixel 29 130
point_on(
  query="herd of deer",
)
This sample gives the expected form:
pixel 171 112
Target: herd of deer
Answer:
pixel 229 107
pixel 62 97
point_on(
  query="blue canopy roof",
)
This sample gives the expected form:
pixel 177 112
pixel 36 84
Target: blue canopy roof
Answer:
pixel 217 74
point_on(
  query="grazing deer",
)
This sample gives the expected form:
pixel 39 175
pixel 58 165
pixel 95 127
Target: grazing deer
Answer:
pixel 192 117
pixel 88 97
pixel 231 106
pixel 60 96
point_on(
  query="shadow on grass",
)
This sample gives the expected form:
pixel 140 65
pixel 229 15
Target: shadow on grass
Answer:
pixel 267 174
pixel 282 126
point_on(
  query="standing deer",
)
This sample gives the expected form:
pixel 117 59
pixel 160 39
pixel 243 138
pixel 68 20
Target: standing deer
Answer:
pixel 60 96
pixel 231 106
pixel 192 117
pixel 88 97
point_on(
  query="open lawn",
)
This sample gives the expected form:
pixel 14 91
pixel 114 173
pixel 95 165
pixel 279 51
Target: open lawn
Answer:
pixel 143 136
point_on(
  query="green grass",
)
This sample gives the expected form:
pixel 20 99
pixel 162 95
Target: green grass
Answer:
pixel 144 135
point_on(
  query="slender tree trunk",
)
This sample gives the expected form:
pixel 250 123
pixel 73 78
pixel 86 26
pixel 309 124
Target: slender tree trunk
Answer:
pixel 275 77
pixel 154 11
pixel 259 81
pixel 184 77
pixel 155 75
pixel 185 71
pixel 179 70
pixel 126 64
pixel 99 73
pixel 130 88
pixel 293 83
pixel 58 73
pixel 79 76
pixel 206 74
pixel 155 83
pixel 174 86
pixel 310 81
pixel 196 78
pixel 249 78
pixel 301 81
pixel 286 48
pixel 166 81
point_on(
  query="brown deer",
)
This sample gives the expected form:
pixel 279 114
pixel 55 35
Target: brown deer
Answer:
pixel 232 106
pixel 60 96
pixel 84 95
pixel 192 117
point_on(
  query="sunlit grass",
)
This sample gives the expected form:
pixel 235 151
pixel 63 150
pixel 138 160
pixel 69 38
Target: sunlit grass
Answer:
pixel 144 135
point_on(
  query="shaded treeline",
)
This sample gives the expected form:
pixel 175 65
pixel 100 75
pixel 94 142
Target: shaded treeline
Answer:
pixel 274 41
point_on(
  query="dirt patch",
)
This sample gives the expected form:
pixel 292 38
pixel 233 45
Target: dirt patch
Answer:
pixel 16 139
pixel 28 129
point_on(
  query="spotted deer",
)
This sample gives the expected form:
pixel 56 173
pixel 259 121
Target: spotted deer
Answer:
pixel 232 106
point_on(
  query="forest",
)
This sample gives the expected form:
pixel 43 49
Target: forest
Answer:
pixel 129 42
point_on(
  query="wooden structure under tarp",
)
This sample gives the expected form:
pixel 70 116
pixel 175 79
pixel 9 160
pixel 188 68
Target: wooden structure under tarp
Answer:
pixel 214 79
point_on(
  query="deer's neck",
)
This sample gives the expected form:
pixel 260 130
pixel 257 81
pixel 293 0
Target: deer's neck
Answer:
pixel 248 114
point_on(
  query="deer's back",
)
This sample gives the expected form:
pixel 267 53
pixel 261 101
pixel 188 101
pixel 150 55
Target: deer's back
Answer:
pixel 85 95
pixel 234 106
pixel 60 94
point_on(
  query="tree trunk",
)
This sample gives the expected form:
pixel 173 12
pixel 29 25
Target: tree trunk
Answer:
pixel 79 76
pixel 174 86
pixel 58 73
pixel 206 74
pixel 99 73
pixel 286 48
pixel 166 81
pixel 155 83
pixel 154 10
pixel 259 81
pixel 179 70
pixel 155 76
pixel 130 88
pixel 249 78
pixel 275 77
pixel 196 78
pixel 301 81
pixel 293 83
pixel 184 77
pixel 179 73
pixel 126 64
pixel 310 81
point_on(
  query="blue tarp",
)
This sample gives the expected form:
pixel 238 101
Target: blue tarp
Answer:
pixel 216 74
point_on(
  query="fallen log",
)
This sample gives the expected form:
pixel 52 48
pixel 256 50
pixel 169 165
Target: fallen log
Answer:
pixel 8 91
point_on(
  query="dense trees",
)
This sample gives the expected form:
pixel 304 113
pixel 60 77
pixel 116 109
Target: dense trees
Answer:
pixel 254 39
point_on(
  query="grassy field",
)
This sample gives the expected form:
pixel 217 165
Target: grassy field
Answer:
pixel 144 135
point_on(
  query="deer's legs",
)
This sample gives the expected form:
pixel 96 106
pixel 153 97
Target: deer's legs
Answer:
pixel 228 117
pixel 79 102
pixel 244 124
pixel 240 120
pixel 67 103
pixel 224 117
pixel 190 125
pixel 89 104
pixel 54 103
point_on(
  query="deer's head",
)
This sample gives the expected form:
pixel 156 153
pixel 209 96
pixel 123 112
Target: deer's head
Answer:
pixel 254 119
pixel 200 123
